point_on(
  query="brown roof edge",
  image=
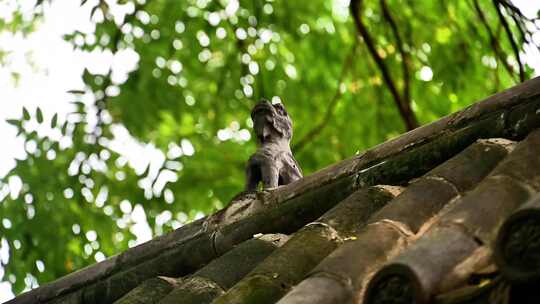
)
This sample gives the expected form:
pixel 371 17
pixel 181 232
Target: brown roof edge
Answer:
pixel 508 104
pixel 391 228
pixel 506 114
pixel 427 267
pixel 518 244
pixel 220 274
pixel 287 265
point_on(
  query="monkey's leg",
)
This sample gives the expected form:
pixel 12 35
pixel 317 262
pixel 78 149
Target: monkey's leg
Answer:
pixel 270 175
pixel 253 176
pixel 297 171
pixel 289 174
pixel 291 170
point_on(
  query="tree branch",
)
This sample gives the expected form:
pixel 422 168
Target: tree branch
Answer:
pixel 317 129
pixel 404 109
pixel 493 40
pixel 519 19
pixel 404 56
pixel 515 48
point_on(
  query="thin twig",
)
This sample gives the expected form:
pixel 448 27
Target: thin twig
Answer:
pixel 493 41
pixel 518 18
pixel 520 26
pixel 511 38
pixel 317 129
pixel 404 56
pixel 404 109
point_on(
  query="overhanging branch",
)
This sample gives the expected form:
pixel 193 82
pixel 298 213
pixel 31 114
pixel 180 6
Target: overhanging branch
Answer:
pixel 513 43
pixel 404 56
pixel 404 109
pixel 499 53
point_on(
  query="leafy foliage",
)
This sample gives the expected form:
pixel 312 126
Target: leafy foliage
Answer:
pixel 202 66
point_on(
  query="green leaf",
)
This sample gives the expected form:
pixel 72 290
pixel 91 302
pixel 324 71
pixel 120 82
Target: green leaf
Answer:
pixel 77 92
pixel 39 115
pixel 54 120
pixel 64 127
pixel 32 135
pixel 14 122
pixel 26 114
pixel 87 77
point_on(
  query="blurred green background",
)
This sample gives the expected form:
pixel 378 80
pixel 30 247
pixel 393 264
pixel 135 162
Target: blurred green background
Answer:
pixel 141 153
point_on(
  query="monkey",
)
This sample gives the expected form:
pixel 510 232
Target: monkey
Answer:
pixel 273 163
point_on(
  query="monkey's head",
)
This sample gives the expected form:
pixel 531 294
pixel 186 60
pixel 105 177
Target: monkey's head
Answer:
pixel 271 122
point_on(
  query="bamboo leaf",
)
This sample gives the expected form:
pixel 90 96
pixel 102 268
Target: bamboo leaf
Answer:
pixel 64 128
pixel 39 115
pixel 54 120
pixel 26 114
pixel 14 122
pixel 77 92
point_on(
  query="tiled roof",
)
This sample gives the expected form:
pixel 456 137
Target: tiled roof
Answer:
pixel 446 213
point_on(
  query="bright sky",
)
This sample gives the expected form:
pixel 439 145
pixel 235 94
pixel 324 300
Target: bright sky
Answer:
pixel 57 68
